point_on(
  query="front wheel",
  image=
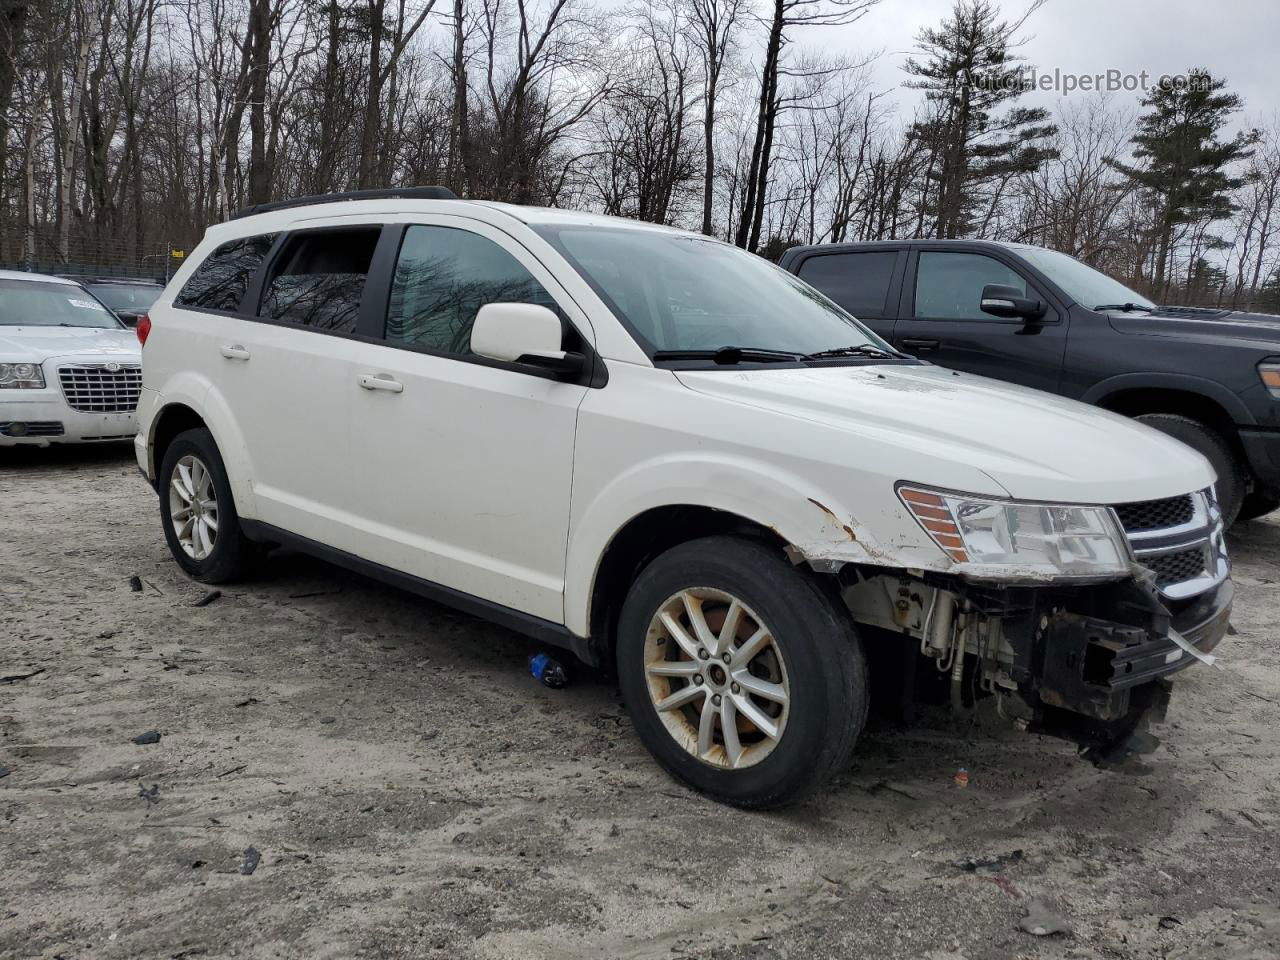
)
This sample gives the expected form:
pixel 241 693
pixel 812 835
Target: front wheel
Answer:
pixel 199 517
pixel 742 674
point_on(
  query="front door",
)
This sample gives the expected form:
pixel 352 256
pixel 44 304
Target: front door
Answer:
pixel 943 323
pixel 464 464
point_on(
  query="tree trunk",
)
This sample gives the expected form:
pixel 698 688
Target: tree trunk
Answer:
pixel 758 171
pixel 369 135
pixel 71 137
pixel 259 41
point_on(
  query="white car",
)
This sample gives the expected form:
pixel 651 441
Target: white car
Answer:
pixel 70 371
pixel 670 457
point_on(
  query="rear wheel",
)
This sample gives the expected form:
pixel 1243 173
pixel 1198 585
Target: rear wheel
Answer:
pixel 742 674
pixel 1206 441
pixel 199 517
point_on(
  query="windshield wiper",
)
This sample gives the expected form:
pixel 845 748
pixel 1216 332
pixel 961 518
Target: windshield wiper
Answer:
pixel 1126 307
pixel 729 355
pixel 861 350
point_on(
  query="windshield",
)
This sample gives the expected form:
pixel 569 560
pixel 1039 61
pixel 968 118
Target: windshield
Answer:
pixel 677 292
pixel 35 303
pixel 1083 284
pixel 131 297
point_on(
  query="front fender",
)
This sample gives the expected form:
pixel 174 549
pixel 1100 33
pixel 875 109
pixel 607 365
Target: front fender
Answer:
pixel 820 524
pixel 1180 382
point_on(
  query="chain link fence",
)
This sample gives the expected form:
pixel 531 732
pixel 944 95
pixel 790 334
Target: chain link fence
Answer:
pixel 42 252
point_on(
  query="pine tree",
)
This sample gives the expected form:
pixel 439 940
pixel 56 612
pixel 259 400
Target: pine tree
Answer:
pixel 968 73
pixel 1183 164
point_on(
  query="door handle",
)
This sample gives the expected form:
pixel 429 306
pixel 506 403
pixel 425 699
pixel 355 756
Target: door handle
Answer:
pixel 234 351
pixel 381 382
pixel 921 345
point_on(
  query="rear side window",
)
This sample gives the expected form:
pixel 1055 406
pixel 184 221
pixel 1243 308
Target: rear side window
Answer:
pixel 949 285
pixel 220 282
pixel 443 277
pixel 859 282
pixel 318 279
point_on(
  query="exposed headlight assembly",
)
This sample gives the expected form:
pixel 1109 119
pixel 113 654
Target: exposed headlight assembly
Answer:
pixel 21 376
pixel 1021 540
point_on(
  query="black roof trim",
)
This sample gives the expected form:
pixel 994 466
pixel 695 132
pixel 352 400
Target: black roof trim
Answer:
pixel 381 193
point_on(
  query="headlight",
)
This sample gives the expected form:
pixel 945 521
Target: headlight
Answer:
pixel 1270 374
pixel 1023 539
pixel 21 376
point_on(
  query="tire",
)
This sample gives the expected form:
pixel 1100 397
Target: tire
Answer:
pixel 221 555
pixel 1257 504
pixel 814 658
pixel 1207 442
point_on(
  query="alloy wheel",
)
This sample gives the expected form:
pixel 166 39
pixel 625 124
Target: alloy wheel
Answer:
pixel 717 677
pixel 193 507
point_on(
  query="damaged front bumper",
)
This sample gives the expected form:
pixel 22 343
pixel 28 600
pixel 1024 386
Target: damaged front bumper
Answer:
pixel 1088 663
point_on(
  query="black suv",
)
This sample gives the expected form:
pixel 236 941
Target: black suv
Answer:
pixel 1025 314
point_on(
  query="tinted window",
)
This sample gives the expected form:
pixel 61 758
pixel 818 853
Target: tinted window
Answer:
pixel 443 277
pixel 949 285
pixel 859 282
pixel 318 279
pixel 220 281
pixel 126 296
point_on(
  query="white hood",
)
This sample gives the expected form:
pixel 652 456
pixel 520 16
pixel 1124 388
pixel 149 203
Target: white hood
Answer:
pixel 1035 445
pixel 38 343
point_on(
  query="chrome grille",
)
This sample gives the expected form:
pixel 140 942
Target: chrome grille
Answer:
pixel 95 388
pixel 1154 514
pixel 1179 539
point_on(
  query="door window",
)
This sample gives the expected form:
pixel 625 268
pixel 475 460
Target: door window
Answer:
pixel 443 277
pixel 859 282
pixel 318 279
pixel 949 285
pixel 219 283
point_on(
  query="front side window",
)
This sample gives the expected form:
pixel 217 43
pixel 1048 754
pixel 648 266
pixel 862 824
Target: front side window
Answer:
pixel 220 282
pixel 1083 284
pixel 318 279
pixel 684 292
pixel 859 282
pixel 949 285
pixel 34 303
pixel 443 277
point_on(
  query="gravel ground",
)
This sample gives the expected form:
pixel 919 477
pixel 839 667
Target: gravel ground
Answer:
pixel 413 793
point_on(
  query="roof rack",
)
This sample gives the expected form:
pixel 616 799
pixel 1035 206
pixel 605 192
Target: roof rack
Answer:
pixel 381 193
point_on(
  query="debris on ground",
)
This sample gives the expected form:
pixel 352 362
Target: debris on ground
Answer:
pixel 248 701
pixel 962 778
pixel 208 598
pixel 15 677
pixel 150 794
pixel 4 772
pixel 251 860
pixel 1168 923
pixel 135 584
pixel 548 671
pixel 987 864
pixel 1040 921
pixel 151 736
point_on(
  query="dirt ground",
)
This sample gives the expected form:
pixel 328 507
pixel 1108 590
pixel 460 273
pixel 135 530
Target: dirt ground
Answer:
pixel 413 793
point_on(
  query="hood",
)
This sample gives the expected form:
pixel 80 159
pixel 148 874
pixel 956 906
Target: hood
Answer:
pixel 1035 445
pixel 40 343
pixel 1197 322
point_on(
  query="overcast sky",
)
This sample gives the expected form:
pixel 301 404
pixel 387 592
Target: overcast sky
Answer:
pixel 1237 39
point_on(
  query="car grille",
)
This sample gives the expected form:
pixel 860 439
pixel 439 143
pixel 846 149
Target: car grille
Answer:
pixel 39 428
pixel 95 388
pixel 1179 539
pixel 1154 514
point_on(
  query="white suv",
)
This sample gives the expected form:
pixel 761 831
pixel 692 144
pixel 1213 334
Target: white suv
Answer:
pixel 673 458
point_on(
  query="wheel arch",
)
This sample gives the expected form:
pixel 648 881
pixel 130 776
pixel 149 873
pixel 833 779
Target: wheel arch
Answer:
pixel 179 415
pixel 1195 397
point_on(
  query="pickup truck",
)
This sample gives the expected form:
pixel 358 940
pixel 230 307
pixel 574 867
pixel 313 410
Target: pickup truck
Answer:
pixel 1037 317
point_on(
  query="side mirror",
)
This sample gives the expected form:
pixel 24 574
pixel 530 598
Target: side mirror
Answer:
pixel 1010 302
pixel 523 333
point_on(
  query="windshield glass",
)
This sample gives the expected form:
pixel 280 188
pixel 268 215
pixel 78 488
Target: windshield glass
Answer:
pixel 132 297
pixel 682 292
pixel 34 303
pixel 1083 284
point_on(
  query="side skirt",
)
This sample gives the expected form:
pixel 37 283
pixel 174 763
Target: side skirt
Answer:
pixel 544 631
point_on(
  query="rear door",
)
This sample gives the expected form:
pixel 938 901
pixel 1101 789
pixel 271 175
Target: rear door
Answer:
pixel 943 323
pixel 465 464
pixel 864 282
pixel 286 374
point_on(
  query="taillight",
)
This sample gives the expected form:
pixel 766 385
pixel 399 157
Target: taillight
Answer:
pixel 143 329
